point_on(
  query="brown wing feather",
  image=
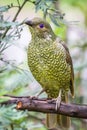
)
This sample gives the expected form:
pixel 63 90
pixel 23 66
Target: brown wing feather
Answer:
pixel 69 61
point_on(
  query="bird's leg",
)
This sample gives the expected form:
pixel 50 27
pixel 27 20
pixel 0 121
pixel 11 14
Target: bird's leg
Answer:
pixel 58 100
pixel 38 94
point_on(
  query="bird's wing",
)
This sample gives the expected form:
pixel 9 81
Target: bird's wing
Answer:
pixel 69 61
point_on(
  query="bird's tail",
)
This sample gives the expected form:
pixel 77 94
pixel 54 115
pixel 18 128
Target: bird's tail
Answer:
pixel 58 121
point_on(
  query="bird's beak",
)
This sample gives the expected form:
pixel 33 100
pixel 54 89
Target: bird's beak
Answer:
pixel 29 23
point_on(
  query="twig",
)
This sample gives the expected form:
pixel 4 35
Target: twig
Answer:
pixel 48 106
pixel 18 3
pixel 15 17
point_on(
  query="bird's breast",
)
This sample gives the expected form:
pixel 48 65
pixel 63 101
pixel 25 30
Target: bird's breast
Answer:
pixel 48 64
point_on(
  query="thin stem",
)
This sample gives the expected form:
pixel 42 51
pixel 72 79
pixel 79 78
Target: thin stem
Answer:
pixel 14 19
pixel 12 128
pixel 18 3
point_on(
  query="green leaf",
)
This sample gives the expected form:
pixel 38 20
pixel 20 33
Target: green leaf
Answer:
pixel 8 24
pixel 54 20
pixel 4 8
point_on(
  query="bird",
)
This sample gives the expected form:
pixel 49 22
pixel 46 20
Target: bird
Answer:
pixel 51 65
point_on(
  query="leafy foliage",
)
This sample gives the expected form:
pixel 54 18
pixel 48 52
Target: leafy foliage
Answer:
pixel 14 79
pixel 50 9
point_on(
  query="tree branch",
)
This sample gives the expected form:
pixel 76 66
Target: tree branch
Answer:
pixel 47 106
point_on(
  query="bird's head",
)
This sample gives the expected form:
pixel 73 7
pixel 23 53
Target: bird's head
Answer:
pixel 40 28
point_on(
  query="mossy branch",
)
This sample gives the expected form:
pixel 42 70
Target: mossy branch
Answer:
pixel 48 106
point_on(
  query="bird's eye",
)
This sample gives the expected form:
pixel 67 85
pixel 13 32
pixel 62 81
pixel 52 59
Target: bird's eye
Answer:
pixel 41 25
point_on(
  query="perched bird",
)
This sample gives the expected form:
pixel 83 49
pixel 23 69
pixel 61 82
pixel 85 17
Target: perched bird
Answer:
pixel 50 63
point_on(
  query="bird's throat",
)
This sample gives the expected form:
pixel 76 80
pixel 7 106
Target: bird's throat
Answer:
pixel 45 35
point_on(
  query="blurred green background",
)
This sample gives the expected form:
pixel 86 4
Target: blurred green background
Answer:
pixel 68 19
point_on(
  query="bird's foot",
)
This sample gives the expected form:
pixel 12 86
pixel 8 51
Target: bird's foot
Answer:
pixel 33 97
pixel 57 100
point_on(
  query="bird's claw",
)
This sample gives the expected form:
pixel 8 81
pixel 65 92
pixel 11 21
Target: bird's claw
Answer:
pixel 58 102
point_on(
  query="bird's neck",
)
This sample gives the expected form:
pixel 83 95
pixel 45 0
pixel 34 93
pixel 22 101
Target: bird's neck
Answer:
pixel 45 36
pixel 49 37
